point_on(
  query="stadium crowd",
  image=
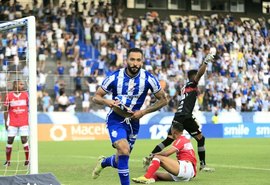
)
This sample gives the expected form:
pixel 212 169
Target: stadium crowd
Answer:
pixel 239 79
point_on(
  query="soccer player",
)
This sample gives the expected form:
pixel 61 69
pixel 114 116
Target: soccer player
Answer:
pixel 16 119
pixel 184 115
pixel 182 169
pixel 129 87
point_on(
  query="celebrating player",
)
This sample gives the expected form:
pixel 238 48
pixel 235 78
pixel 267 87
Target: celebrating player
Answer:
pixel 129 87
pixel 184 115
pixel 182 169
pixel 16 119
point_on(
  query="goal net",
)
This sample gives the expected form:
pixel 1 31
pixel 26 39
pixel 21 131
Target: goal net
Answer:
pixel 18 61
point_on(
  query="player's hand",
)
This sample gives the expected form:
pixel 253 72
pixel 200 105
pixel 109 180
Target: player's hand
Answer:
pixel 6 126
pixel 137 114
pixel 209 58
pixel 112 103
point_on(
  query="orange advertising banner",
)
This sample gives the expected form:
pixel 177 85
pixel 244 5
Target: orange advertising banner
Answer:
pixel 72 132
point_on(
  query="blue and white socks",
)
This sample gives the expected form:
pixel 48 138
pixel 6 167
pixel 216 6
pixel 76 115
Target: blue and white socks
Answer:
pixel 123 170
pixel 109 161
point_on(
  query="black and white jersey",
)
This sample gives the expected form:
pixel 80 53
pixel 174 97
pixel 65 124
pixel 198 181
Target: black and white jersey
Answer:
pixel 188 99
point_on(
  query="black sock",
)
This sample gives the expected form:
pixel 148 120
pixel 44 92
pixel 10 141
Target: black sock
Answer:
pixel 162 145
pixel 202 157
pixel 201 151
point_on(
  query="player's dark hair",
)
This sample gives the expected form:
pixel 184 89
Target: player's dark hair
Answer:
pixel 177 126
pixel 192 73
pixel 135 50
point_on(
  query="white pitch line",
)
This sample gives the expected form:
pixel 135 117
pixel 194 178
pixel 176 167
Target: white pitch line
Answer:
pixel 240 167
pixel 214 165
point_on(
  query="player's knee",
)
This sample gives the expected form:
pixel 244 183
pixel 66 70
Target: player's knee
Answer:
pixel 24 140
pixel 122 147
pixel 10 140
pixel 123 150
pixel 201 141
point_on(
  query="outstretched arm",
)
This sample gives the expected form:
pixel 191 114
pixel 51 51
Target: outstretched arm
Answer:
pixel 201 71
pixel 168 152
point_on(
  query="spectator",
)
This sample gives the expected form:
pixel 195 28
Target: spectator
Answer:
pixel 171 48
pixel 62 101
pixel 78 82
pixel 86 101
pixel 60 70
pixel 72 105
pixel 215 118
pixel 46 102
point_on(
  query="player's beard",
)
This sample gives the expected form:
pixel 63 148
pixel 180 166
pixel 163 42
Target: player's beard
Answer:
pixel 133 70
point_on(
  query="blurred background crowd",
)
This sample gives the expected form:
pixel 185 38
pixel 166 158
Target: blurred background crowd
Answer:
pixel 78 47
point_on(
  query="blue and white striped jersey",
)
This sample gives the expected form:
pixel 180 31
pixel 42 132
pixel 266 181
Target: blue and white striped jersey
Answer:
pixel 131 91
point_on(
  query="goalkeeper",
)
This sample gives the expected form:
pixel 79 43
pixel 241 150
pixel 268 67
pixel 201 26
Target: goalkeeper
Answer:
pixel 184 115
pixel 16 119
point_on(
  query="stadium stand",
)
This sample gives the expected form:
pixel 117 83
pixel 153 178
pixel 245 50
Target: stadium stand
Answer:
pixel 78 48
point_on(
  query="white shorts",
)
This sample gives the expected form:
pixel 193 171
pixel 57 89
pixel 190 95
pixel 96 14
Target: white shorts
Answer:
pixel 186 171
pixel 14 131
pixel 41 57
pixel 85 104
pixel 4 67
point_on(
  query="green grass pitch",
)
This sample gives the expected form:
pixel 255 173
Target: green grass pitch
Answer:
pixel 237 161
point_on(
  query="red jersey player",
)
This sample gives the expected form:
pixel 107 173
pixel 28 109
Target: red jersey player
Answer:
pixel 16 119
pixel 182 169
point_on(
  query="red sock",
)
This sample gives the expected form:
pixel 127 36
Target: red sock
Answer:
pixel 26 150
pixel 8 152
pixel 152 168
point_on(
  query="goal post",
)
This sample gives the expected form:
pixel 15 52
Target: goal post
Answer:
pixel 30 24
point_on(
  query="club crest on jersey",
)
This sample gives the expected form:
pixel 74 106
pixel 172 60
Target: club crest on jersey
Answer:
pixel 114 133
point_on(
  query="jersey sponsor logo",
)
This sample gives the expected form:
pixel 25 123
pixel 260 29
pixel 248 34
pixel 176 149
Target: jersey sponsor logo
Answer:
pixel 190 89
pixel 188 146
pixel 18 110
pixel 131 96
pixel 181 103
pixel 15 103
